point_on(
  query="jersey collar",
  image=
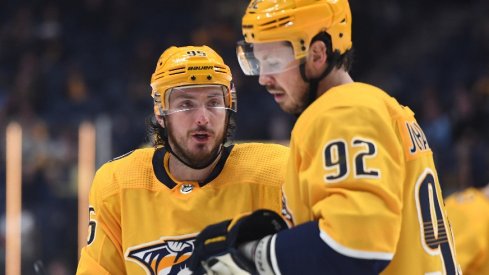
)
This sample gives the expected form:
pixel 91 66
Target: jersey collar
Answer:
pixel 162 174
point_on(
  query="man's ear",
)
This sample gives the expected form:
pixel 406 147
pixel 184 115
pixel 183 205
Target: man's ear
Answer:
pixel 160 120
pixel 316 58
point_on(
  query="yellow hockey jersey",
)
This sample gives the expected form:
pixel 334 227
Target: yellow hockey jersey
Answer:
pixel 468 212
pixel 144 221
pixel 362 168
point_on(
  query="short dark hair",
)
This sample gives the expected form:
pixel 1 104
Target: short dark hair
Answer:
pixel 336 59
pixel 157 135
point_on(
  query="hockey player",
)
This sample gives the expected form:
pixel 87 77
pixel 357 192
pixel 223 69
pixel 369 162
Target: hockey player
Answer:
pixel 468 211
pixel 147 206
pixel 361 184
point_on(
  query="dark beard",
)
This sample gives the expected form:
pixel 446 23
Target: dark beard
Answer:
pixel 303 104
pixel 199 160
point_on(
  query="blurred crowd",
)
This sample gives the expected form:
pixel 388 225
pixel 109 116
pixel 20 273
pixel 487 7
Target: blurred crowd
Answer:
pixel 65 62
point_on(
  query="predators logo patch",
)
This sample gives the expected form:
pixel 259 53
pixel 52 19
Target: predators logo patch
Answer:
pixel 165 257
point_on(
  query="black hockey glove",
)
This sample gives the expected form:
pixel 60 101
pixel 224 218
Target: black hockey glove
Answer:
pixel 218 247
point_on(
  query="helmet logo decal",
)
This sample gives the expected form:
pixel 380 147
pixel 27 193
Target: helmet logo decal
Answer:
pixel 196 53
pixel 200 68
pixel 164 256
pixel 254 4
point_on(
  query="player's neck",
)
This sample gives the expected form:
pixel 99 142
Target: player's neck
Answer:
pixel 182 172
pixel 335 78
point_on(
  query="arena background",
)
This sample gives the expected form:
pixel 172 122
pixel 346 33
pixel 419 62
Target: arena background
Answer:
pixel 63 63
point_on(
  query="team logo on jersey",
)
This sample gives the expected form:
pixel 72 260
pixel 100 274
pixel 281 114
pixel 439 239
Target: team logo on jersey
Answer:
pixel 164 257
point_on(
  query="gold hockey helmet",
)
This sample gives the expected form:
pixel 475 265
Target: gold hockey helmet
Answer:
pixel 297 22
pixel 190 66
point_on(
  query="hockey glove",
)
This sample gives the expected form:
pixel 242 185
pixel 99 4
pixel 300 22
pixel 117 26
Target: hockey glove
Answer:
pixel 218 246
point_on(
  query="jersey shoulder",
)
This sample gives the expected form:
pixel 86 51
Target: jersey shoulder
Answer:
pixel 468 207
pixel 469 220
pixel 123 171
pixel 267 154
pixel 363 109
pixel 355 94
pixel 258 162
pixel 352 102
pixel 465 200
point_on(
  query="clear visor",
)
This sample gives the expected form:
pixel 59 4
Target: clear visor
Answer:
pixel 266 58
pixel 187 99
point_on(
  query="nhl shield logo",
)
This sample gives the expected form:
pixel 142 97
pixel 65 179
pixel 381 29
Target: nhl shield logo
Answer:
pixel 186 188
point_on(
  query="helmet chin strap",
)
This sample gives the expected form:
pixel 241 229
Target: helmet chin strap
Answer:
pixel 313 83
pixel 196 167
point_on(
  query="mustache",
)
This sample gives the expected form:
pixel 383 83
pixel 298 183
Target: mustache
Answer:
pixel 273 88
pixel 202 128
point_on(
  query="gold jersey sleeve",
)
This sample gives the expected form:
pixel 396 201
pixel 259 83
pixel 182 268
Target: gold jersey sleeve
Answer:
pixel 361 166
pixel 468 212
pixel 143 221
